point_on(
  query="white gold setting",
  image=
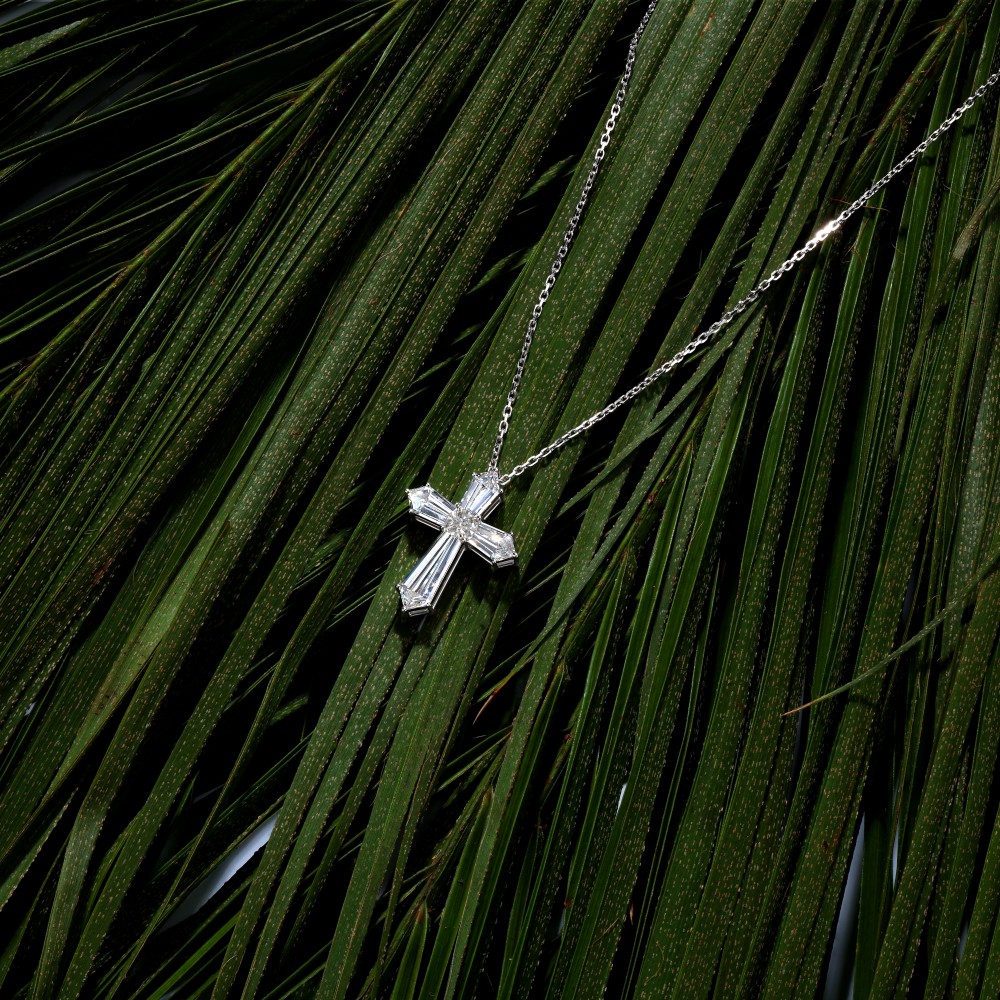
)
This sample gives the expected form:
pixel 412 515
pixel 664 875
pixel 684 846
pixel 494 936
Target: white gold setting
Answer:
pixel 462 527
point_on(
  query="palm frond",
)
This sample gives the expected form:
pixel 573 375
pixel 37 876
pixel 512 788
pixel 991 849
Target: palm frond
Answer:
pixel 264 266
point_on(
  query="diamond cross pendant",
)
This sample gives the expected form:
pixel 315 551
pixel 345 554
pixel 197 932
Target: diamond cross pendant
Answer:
pixel 461 526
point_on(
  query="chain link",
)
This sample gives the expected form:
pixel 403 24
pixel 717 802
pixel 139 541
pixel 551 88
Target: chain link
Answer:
pixel 568 236
pixel 821 235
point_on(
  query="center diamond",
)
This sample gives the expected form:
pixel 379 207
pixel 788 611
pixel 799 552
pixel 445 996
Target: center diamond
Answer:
pixel 461 523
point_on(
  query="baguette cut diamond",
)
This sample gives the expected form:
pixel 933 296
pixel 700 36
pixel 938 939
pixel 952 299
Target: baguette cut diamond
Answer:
pixel 462 527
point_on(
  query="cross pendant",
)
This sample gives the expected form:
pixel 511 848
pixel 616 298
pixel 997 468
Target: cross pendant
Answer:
pixel 461 526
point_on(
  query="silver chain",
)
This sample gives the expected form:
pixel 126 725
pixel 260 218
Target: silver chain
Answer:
pixel 822 234
pixel 574 222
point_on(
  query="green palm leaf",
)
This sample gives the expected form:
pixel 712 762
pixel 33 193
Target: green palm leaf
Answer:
pixel 263 266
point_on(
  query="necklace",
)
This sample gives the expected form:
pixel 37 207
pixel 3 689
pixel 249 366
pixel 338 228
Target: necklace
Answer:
pixel 463 525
